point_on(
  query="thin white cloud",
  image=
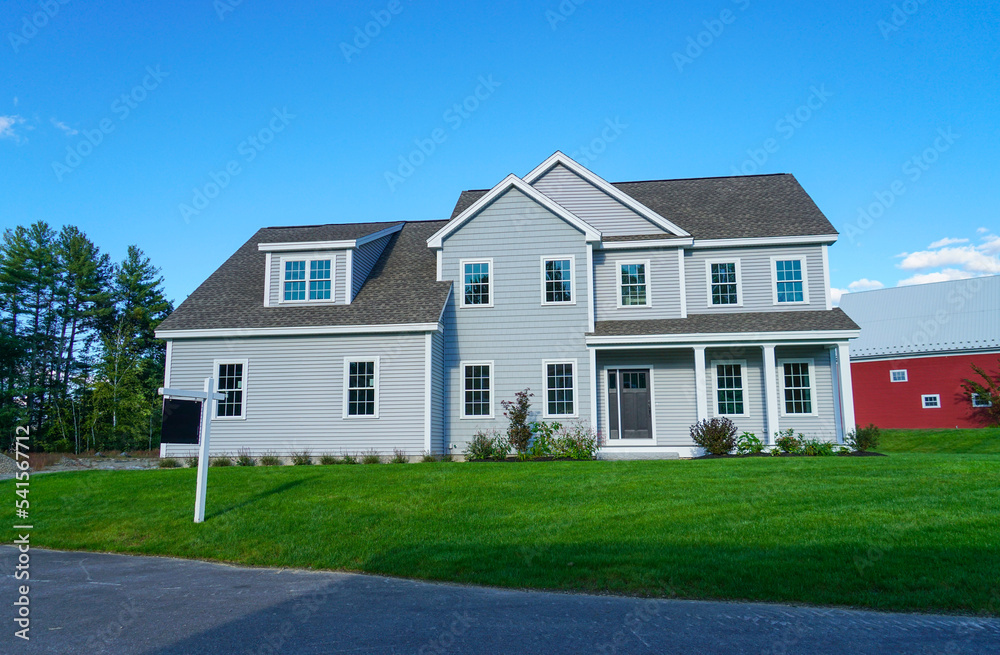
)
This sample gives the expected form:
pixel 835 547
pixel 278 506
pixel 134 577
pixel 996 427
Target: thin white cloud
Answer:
pixel 64 127
pixel 990 245
pixel 982 230
pixel 864 284
pixel 947 241
pixel 15 101
pixel 970 258
pixel 7 125
pixel 836 294
pixel 946 275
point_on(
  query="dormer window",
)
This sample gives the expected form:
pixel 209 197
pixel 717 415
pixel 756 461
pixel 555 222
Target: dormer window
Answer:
pixel 296 287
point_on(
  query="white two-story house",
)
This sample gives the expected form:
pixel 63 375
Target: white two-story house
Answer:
pixel 638 308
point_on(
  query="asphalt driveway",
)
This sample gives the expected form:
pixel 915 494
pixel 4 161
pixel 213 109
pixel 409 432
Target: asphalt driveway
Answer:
pixel 91 603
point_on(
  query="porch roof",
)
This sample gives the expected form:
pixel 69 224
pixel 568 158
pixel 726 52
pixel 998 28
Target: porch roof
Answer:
pixel 742 323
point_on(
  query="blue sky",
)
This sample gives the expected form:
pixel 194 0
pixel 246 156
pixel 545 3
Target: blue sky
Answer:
pixel 120 117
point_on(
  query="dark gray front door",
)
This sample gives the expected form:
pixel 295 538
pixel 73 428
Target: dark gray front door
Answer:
pixel 630 410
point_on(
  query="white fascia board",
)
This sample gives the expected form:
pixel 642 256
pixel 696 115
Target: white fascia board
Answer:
pixel 392 229
pixel 765 241
pixel 512 181
pixel 602 184
pixel 723 337
pixel 647 243
pixel 296 331
pixel 329 245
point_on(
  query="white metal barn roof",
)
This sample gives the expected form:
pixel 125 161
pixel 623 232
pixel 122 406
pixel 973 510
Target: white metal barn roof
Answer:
pixel 943 317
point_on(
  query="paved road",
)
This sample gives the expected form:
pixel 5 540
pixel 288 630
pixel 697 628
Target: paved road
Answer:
pixel 88 603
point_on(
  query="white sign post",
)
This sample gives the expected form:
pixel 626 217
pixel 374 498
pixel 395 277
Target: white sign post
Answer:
pixel 206 397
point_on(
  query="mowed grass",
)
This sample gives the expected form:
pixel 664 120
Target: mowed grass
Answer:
pixel 971 441
pixel 907 532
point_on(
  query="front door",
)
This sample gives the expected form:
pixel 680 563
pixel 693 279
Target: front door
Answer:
pixel 629 406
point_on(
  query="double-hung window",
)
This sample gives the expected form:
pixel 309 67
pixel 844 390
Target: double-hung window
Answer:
pixel 230 379
pixel 633 284
pixel 295 280
pixel 790 285
pixel 724 283
pixel 730 387
pixel 361 387
pixel 557 280
pixel 560 387
pixel 798 387
pixel 319 279
pixel 477 283
pixel 477 387
pixel 307 280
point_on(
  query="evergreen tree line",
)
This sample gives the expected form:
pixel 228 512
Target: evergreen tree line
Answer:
pixel 79 363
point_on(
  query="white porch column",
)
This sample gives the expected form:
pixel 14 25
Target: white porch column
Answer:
pixel 771 404
pixel 593 390
pixel 846 386
pixel 700 383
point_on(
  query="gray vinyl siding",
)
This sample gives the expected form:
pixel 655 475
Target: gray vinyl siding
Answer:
pixel 662 284
pixel 438 445
pixel 294 394
pixel 753 394
pixel 757 278
pixel 673 380
pixel 593 205
pixel 824 425
pixel 364 258
pixel 338 265
pixel 518 332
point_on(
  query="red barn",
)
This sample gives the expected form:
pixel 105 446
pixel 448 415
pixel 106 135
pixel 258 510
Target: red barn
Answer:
pixel 917 343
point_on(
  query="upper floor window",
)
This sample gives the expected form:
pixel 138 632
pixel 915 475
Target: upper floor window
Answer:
pixel 559 388
pixel 294 283
pixel 730 385
pixel 898 375
pixel 789 280
pixel 798 387
pixel 724 283
pixel 361 387
pixel 557 280
pixel 477 283
pixel 230 379
pixel 633 290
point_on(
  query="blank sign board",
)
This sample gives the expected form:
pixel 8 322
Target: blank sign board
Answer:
pixel 181 421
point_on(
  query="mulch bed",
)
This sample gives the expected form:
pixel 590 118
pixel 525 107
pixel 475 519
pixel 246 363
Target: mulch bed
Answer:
pixel 515 460
pixel 854 454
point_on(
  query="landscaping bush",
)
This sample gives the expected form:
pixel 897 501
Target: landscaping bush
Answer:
pixel 863 439
pixel 328 460
pixel 399 457
pixel 749 444
pixel 222 460
pixel 578 441
pixel 816 448
pixel 302 459
pixel 787 442
pixel 447 457
pixel 516 411
pixel 428 457
pixel 543 443
pixel 243 458
pixel 270 459
pixel 349 458
pixel 371 457
pixel 716 435
pixel 487 445
pixel 168 463
pixel 191 461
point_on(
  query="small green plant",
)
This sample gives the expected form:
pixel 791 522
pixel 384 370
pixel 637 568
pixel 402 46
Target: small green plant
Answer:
pixel 487 445
pixel 349 458
pixel 243 458
pixel 842 450
pixel 327 460
pixel 168 463
pixel 222 460
pixel 748 444
pixel 863 439
pixel 270 459
pixel 428 457
pixel 577 441
pixel 399 457
pixel 543 443
pixel 816 448
pixel 787 442
pixel 191 461
pixel 447 457
pixel 716 435
pixel 371 457
pixel 516 411
pixel 302 459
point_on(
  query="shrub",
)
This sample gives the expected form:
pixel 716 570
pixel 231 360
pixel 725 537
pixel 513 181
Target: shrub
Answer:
pixel 327 460
pixel 716 435
pixel 516 411
pixel 270 459
pixel 816 448
pixel 302 459
pixel 243 458
pixel 863 439
pixel 191 461
pixel 578 441
pixel 168 463
pixel 222 460
pixel 543 443
pixel 787 442
pixel 447 457
pixel 749 444
pixel 399 457
pixel 428 457
pixel 371 457
pixel 486 446
pixel 349 458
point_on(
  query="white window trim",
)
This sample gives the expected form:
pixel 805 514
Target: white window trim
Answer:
pixel 612 443
pixel 307 258
pixel 545 386
pixel 774 279
pixel 618 282
pixel 572 278
pixel 976 398
pixel 215 404
pixel 813 399
pixel 461 386
pixel 378 387
pixel 739 281
pixel 924 397
pixel 461 281
pixel 906 375
pixel 743 386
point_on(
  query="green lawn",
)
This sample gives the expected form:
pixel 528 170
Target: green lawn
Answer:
pixel 971 441
pixel 907 532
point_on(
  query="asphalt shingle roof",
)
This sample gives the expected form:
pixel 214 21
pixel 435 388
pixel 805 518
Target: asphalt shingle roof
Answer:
pixel 722 207
pixel 744 322
pixel 402 288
